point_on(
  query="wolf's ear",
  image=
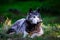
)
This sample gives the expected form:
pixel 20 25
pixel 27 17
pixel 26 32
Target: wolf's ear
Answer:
pixel 30 10
pixel 38 10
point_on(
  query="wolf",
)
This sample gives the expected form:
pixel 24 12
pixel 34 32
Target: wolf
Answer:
pixel 31 25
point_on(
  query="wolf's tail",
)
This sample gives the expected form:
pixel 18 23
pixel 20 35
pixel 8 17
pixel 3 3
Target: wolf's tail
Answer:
pixel 10 31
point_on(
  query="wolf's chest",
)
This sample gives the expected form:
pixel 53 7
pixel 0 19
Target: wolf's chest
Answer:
pixel 32 28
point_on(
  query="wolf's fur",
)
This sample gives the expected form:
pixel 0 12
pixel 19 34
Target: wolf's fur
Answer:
pixel 29 25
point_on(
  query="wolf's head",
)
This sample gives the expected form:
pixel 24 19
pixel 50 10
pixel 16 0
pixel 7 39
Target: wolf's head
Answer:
pixel 34 16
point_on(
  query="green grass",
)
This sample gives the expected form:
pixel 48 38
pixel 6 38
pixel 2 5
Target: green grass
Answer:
pixel 23 6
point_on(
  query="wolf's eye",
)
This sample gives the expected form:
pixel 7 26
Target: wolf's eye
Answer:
pixel 33 16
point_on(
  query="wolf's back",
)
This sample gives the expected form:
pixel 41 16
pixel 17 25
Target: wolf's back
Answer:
pixel 17 26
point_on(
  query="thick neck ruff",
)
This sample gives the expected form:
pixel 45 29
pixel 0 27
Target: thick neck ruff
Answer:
pixel 31 27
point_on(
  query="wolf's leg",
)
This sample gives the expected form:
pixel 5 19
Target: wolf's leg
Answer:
pixel 41 32
pixel 25 34
pixel 33 35
pixel 38 34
